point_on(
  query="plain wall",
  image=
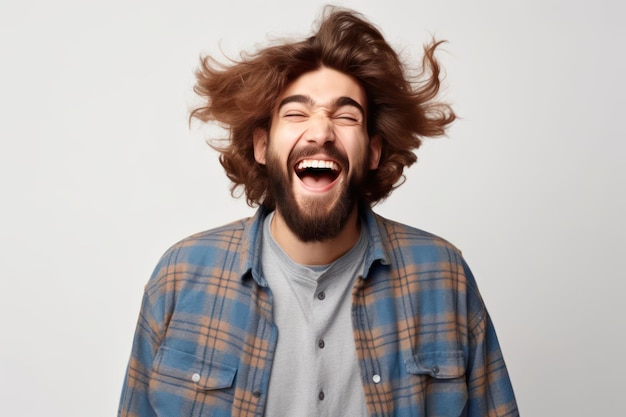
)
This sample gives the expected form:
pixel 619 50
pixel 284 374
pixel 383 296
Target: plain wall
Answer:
pixel 100 174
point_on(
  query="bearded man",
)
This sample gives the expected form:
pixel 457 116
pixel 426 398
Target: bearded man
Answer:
pixel 316 306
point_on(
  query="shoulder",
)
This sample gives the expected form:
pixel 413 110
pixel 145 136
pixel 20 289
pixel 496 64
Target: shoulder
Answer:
pixel 418 255
pixel 211 252
pixel 419 244
pixel 436 265
pixel 223 238
pixel 213 237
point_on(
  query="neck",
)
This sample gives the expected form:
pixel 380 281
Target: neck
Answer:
pixel 316 253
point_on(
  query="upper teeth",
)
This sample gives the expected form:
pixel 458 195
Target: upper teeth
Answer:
pixel 317 163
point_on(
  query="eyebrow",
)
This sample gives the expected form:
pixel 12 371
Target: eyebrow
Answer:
pixel 338 102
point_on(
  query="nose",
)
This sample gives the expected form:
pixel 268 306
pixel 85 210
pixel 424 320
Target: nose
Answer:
pixel 320 130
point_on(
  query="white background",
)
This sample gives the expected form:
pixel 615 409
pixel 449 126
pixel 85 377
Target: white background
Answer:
pixel 100 173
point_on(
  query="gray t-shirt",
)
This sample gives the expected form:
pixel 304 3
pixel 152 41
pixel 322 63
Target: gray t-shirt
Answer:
pixel 315 370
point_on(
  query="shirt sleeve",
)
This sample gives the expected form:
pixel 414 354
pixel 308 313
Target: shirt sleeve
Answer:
pixel 490 393
pixel 134 400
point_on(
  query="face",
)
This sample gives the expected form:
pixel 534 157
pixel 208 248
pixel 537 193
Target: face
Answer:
pixel 317 152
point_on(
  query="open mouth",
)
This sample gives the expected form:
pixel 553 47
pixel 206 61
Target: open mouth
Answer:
pixel 317 173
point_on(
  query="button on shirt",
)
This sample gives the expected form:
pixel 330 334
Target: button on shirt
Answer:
pixel 207 310
pixel 315 371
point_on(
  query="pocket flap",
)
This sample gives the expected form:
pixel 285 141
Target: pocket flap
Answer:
pixel 442 365
pixel 188 367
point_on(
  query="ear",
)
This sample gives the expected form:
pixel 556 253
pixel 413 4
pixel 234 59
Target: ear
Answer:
pixel 375 151
pixel 259 141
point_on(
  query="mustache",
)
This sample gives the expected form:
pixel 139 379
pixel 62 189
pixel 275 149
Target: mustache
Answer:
pixel 329 151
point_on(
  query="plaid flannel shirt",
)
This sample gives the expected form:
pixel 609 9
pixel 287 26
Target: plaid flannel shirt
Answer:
pixel 205 337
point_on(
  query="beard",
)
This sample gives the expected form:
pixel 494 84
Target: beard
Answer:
pixel 319 218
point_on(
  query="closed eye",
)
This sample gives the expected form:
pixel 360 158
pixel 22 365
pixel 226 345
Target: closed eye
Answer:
pixel 347 118
pixel 294 115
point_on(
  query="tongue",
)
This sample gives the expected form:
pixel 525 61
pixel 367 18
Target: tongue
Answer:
pixel 316 180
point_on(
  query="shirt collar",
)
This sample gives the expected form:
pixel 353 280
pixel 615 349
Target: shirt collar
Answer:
pixel 252 243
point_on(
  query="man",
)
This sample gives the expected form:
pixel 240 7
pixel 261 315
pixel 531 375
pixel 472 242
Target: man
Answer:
pixel 316 306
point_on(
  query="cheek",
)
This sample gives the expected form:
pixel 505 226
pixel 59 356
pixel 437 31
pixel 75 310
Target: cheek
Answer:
pixel 358 151
pixel 282 141
pixel 287 134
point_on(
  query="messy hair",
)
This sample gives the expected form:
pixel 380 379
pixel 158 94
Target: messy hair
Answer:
pixel 402 108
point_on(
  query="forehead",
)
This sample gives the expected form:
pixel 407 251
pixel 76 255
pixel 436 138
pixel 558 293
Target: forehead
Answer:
pixel 324 86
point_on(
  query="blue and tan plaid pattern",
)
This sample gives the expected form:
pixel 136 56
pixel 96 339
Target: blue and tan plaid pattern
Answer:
pixel 205 338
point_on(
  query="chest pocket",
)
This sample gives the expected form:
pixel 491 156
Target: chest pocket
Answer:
pixel 442 382
pixel 182 384
pixel 439 365
pixel 187 367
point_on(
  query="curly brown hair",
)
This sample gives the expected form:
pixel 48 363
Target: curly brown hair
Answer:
pixel 402 108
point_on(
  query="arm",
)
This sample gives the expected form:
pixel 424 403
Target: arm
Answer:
pixel 490 392
pixel 135 399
